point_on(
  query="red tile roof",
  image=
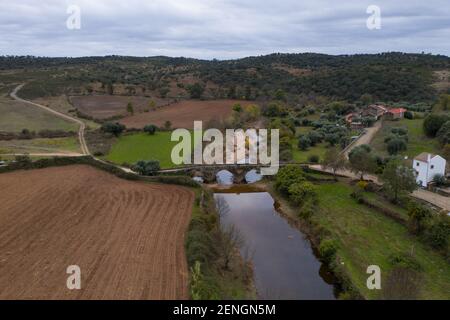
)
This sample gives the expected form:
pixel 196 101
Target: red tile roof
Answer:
pixel 397 110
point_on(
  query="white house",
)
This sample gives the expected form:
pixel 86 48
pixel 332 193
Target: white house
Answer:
pixel 428 165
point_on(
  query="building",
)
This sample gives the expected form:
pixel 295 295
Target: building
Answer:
pixel 396 113
pixel 427 166
pixel 374 110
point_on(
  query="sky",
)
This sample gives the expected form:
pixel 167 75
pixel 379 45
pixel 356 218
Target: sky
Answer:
pixel 222 29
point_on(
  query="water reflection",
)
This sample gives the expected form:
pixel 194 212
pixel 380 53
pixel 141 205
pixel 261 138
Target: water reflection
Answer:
pixel 285 266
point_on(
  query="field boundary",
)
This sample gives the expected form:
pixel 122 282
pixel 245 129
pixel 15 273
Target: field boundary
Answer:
pixel 83 145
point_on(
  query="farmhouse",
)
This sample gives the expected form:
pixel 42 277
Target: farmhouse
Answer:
pixel 396 113
pixel 375 111
pixel 427 166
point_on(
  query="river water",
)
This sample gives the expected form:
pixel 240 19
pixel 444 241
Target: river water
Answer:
pixel 284 263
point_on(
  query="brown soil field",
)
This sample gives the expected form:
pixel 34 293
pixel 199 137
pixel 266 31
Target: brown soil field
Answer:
pixel 107 106
pixel 127 237
pixel 183 114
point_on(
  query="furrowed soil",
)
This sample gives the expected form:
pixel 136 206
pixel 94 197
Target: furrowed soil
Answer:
pixel 103 107
pixel 127 237
pixel 183 114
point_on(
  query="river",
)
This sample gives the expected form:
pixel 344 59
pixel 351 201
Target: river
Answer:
pixel 284 263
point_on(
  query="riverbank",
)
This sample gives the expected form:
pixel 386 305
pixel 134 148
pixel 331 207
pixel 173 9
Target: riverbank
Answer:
pixel 217 270
pixel 362 236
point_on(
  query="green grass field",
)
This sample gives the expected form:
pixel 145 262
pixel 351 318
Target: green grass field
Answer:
pixel 42 145
pixel 367 237
pixel 418 141
pixel 302 156
pixel 16 116
pixel 141 146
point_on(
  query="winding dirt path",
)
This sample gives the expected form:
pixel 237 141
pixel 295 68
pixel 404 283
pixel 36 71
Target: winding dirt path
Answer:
pixel 83 145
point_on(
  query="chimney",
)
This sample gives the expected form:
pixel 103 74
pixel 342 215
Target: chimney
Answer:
pixel 429 158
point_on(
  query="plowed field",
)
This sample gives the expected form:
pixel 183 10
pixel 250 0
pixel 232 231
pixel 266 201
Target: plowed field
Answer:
pixel 127 237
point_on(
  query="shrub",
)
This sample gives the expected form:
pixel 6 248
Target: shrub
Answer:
pixel 418 216
pixel 362 185
pixel 437 233
pixel 396 145
pixel 301 192
pixel 409 115
pixel 286 155
pixel 304 143
pixel 287 176
pixel 307 210
pixel 150 129
pixel 114 128
pixel 313 158
pixel 433 123
pixel 327 250
pixel 147 168
pixel 402 260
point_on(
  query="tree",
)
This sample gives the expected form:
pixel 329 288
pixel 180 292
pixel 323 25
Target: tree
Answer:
pixel 418 216
pixel 196 90
pixel 446 151
pixel 361 160
pixel 443 134
pixel 437 234
pixel 433 123
pixel 150 129
pixel 302 192
pixel 113 127
pixel 288 176
pixel 167 125
pixel 226 241
pixel 304 143
pixel 398 178
pixel 237 107
pixel 395 145
pixel 130 108
pixel 334 160
pixel 147 168
pixel 366 99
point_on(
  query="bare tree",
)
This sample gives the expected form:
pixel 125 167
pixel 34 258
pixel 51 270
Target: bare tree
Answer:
pixel 222 206
pixel 227 240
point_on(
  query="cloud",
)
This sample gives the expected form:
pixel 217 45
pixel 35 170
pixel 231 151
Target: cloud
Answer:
pixel 221 28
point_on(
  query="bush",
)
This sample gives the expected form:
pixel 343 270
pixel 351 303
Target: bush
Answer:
pixel 401 260
pixel 307 210
pixel 437 233
pixel 286 155
pixel 327 250
pixel 433 123
pixel 147 168
pixel 304 143
pixel 150 129
pixel 114 128
pixel 396 145
pixel 301 192
pixel 287 176
pixel 313 158
pixel 409 115
pixel 362 185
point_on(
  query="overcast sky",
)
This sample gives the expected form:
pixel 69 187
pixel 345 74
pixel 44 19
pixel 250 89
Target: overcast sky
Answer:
pixel 222 29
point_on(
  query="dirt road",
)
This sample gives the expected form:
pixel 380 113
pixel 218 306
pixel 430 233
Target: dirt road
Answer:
pixel 83 145
pixel 366 138
pixel 127 237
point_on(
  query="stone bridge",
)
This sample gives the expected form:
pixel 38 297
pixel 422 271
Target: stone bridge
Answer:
pixel 209 172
